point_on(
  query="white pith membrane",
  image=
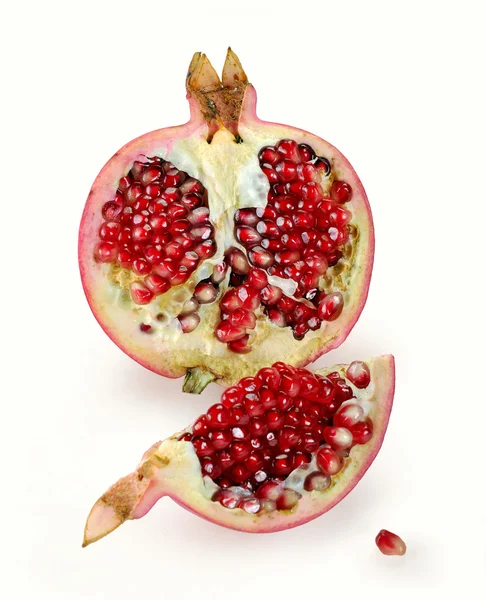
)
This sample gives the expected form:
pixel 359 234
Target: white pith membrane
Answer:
pixel 232 176
pixel 172 468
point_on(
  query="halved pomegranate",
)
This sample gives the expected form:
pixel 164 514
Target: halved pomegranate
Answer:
pixel 226 236
pixel 280 449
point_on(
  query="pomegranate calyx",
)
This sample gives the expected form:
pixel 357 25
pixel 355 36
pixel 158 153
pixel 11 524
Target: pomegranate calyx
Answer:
pixel 196 380
pixel 219 102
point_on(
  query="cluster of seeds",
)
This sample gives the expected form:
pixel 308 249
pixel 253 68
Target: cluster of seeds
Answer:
pixel 158 226
pixel 269 425
pixel 301 231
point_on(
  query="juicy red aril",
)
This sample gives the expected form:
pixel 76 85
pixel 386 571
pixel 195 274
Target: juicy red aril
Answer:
pixel 317 482
pixel 358 373
pixel 155 283
pixel 241 345
pixel 106 252
pixel 331 307
pixel 341 192
pixel 205 292
pixel 348 416
pixel 328 460
pixel 390 544
pixel 225 332
pixel 362 432
pixel 189 322
pixel 246 216
pixel 217 417
pixel 338 438
pixel 248 236
pixel 140 293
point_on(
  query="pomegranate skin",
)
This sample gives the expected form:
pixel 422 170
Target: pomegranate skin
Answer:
pixel 175 356
pixel 169 469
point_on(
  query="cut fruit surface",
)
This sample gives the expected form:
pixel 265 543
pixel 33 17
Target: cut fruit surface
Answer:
pixel 267 457
pixel 225 236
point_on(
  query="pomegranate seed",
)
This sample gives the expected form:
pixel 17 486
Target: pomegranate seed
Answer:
pixel 206 249
pixel 202 446
pixel 317 482
pixel 231 396
pixel 260 257
pixel 286 304
pixel 292 241
pixel 133 192
pixel 227 498
pixel 301 458
pixel 106 252
pixel 270 294
pixel 359 373
pixel 141 233
pixel 328 461
pixel 180 276
pixel 238 262
pixel 248 236
pixel 311 191
pixel 362 432
pixel 145 328
pixel 268 229
pixel 191 200
pixel 390 544
pixel 275 419
pixel 159 223
pixel 199 216
pixel 276 317
pixel 331 307
pixel 218 417
pixel 246 216
pixel 268 376
pixel 110 231
pixel 190 260
pixel 192 186
pixel 289 385
pixel 282 464
pixel 288 499
pixel 225 332
pixel 338 438
pixel 167 268
pixel 240 346
pixel 202 232
pixel 305 152
pixel 231 301
pixel 205 292
pixel 287 257
pixel 309 443
pixel 125 259
pixel 153 254
pixel 238 415
pixel 201 426
pixel 307 173
pixel 287 148
pixel 270 490
pixel 288 437
pixel 286 205
pixel 250 505
pixel 210 468
pixel 242 318
pixel 190 306
pixel 219 273
pixel 341 192
pixel 348 415
pixel 111 211
pixel 303 220
pixel 155 283
pixel 284 223
pixel 189 322
pixel 140 293
pixel 239 451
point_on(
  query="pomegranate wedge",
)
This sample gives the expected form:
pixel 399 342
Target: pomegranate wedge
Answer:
pixel 278 450
pixel 226 236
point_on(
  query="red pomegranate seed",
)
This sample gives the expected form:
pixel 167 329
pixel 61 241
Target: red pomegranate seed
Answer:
pixel 238 262
pixel 317 482
pixel 303 220
pixel 305 152
pixel 240 346
pixel 310 443
pixel 231 301
pixel 206 249
pixel 286 205
pixel 358 373
pixel 189 322
pixel 338 438
pixel 157 284
pixel 271 294
pixel 341 192
pixel 225 332
pixel 282 464
pixel 260 257
pixel 201 426
pixel 145 328
pixel 180 276
pixel 292 241
pixel 311 191
pixel 348 415
pixel 328 461
pixel 288 148
pixel 287 257
pixel 140 293
pixel 362 432
pixel 192 186
pixel 288 438
pixel 219 273
pixel 248 236
pixel 133 192
pixel 217 417
pixel 205 292
pixel 106 252
pixel 275 419
pixel 246 216
pixel 331 307
pixel 199 216
pixel 191 200
pixel 268 376
pixel 276 317
pixel 288 499
pixel 202 446
pixel 110 231
pixel 390 544
pixel 242 318
pixel 125 259
pixel 268 229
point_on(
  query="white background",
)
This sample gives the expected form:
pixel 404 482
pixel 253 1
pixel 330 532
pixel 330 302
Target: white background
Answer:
pixel 399 88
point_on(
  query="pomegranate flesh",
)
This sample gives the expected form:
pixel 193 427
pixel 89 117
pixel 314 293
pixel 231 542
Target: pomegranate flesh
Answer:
pixel 227 234
pixel 278 450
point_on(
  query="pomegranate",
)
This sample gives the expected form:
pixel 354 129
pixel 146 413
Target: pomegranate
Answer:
pixel 278 450
pixel 226 236
pixel 390 544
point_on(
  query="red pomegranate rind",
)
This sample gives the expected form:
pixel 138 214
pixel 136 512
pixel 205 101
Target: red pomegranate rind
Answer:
pixel 173 469
pixel 121 306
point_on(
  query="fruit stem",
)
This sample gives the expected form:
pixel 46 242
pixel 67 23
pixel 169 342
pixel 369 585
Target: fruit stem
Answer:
pixel 196 380
pixel 218 102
